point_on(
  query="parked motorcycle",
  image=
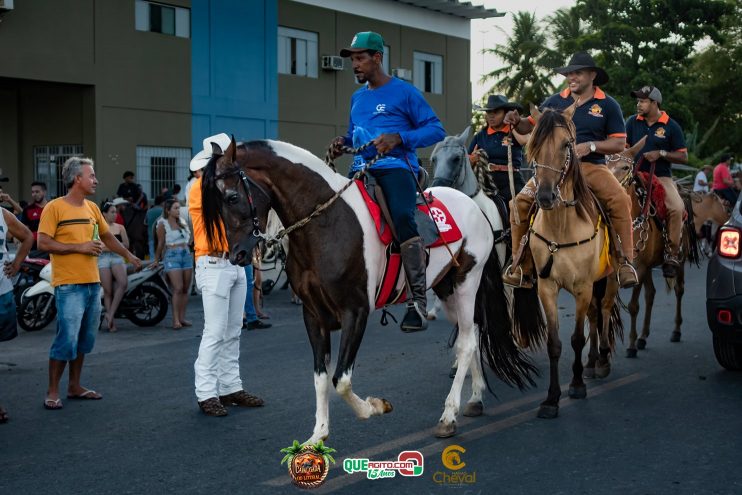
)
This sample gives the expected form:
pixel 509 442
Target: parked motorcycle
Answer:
pixel 29 273
pixel 145 302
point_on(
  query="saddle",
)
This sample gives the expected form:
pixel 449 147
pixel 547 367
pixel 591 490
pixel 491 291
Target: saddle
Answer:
pixel 392 287
pixel 658 196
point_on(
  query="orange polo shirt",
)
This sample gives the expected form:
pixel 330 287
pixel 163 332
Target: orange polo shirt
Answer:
pixel 200 241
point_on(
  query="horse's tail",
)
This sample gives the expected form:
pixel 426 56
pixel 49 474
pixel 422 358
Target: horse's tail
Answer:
pixel 692 244
pixel 529 325
pixel 497 347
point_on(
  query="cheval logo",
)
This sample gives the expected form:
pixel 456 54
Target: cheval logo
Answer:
pixel 451 459
pixel 660 133
pixel 308 464
pixel 596 110
pixel 381 108
pixel 440 219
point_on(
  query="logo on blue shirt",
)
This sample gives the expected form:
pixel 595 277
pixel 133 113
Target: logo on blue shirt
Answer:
pixel 380 108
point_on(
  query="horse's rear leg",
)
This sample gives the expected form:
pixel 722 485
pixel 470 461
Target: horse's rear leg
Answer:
pixel 634 312
pixel 547 293
pixel 649 292
pixel 592 355
pixel 320 341
pixel 679 291
pixel 577 388
pixel 354 325
pixel 475 406
pixel 607 341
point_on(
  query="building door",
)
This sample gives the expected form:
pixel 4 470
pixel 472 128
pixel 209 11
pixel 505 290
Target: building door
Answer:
pixel 48 162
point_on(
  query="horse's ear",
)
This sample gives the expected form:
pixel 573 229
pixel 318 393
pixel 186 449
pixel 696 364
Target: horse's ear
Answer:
pixel 570 111
pixel 231 151
pixel 464 136
pixel 634 150
pixel 535 113
pixel 216 149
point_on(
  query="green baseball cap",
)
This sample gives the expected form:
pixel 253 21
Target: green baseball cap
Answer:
pixel 366 40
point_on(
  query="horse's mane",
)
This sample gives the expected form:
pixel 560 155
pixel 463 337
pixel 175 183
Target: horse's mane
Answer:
pixel 543 135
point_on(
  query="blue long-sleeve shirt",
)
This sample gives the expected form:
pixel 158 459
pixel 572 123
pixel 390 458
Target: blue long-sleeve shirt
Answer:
pixel 395 107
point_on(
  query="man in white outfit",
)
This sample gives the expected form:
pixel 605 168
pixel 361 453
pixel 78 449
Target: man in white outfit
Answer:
pixel 223 288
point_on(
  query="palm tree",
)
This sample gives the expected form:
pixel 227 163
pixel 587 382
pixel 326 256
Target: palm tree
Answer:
pixel 566 31
pixel 526 72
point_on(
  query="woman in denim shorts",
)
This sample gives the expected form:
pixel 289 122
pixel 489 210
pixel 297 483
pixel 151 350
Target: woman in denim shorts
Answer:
pixel 112 268
pixel 173 238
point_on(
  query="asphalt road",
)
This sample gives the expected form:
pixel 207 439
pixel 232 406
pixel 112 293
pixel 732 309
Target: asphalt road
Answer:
pixel 667 422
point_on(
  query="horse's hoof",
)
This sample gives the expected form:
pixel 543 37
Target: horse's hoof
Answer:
pixel 473 409
pixel 641 344
pixel 602 371
pixel 387 406
pixel 443 430
pixel 630 353
pixel 452 373
pixel 577 392
pixel 588 372
pixel 548 412
pixel 675 337
pixel 430 317
pixel 381 406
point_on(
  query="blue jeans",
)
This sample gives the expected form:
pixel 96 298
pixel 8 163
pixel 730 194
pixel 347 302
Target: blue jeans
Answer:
pixel 399 189
pixel 250 314
pixel 78 318
pixel 151 244
pixel 178 258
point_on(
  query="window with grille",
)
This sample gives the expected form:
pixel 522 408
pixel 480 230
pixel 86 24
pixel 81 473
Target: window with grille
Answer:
pixel 48 162
pixel 427 72
pixel 297 52
pixel 161 167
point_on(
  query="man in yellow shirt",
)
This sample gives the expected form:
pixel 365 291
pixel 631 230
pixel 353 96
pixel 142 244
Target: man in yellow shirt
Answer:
pixel 223 288
pixel 73 230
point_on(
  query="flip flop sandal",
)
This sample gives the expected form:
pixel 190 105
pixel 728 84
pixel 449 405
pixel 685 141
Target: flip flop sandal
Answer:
pixel 87 395
pixel 53 404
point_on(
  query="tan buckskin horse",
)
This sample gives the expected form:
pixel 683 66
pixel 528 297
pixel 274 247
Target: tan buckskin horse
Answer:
pixel 706 206
pixel 568 241
pixel 649 249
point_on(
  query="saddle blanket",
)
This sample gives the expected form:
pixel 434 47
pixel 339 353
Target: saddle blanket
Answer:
pixel 658 196
pixel 392 288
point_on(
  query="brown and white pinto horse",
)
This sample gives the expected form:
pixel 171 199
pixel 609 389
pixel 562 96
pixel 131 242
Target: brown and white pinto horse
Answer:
pixel 334 264
pixel 568 243
pixel 649 250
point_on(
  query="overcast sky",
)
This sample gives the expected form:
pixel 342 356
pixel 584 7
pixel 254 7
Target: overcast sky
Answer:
pixel 484 32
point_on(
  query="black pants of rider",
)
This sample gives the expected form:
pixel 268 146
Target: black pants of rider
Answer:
pixel 502 181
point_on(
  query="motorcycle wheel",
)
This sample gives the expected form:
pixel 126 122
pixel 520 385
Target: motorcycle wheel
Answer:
pixel 31 314
pixel 147 305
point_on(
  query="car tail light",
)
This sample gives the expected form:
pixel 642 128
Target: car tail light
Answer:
pixel 729 243
pixel 724 316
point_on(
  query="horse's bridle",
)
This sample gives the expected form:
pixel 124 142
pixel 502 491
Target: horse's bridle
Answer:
pixel 618 157
pixel 452 182
pixel 245 180
pixel 561 171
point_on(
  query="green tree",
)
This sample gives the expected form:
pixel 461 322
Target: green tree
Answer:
pixel 567 32
pixel 525 75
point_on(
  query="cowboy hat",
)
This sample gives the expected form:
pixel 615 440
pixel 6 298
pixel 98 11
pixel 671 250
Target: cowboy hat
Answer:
pixel 201 158
pixel 495 102
pixel 583 60
pixel 119 201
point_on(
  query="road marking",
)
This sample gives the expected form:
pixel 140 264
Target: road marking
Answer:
pixel 412 438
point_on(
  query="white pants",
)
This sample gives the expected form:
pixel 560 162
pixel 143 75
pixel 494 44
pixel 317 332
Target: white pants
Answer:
pixel 223 290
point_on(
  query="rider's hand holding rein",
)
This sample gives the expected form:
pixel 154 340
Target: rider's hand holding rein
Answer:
pixel 336 147
pixel 387 142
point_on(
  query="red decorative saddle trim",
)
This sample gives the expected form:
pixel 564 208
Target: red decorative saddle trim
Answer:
pixel 450 232
pixel 658 196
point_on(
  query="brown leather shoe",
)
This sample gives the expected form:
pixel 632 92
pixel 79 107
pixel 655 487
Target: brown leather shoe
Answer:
pixel 240 398
pixel 627 276
pixel 212 407
pixel 519 280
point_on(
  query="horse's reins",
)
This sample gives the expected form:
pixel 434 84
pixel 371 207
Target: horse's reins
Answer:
pixel 511 176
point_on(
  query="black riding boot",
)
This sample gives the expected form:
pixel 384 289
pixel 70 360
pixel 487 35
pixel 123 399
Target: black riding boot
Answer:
pixel 413 260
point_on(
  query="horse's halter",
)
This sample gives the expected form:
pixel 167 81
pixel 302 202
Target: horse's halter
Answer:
pixel 448 182
pixel 245 180
pixel 561 171
pixel 626 180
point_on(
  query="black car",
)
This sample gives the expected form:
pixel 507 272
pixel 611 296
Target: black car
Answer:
pixel 724 292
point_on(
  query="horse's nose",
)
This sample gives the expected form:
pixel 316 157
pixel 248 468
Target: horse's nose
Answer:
pixel 546 199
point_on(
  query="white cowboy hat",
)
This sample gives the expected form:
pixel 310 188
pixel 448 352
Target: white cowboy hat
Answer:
pixel 201 158
pixel 119 201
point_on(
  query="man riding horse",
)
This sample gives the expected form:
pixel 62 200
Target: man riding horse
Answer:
pixel 665 144
pixel 396 119
pixel 600 130
pixel 494 139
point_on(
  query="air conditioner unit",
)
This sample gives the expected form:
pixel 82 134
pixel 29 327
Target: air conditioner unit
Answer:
pixel 6 4
pixel 401 73
pixel 332 62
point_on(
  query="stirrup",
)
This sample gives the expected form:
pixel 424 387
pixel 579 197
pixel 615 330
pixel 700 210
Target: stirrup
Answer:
pixel 522 283
pixel 633 271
